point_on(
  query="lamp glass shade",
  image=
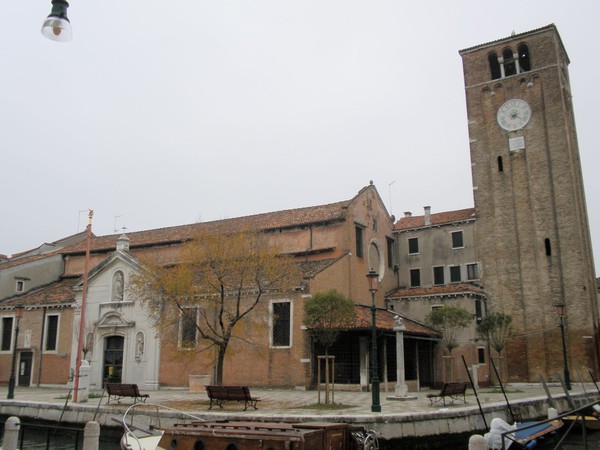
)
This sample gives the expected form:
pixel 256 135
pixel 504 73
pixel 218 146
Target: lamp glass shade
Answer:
pixel 560 310
pixel 57 29
pixel 373 280
pixel 19 311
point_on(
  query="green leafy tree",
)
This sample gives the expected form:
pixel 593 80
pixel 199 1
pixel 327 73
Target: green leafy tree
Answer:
pixel 496 328
pixel 451 322
pixel 326 315
pixel 206 299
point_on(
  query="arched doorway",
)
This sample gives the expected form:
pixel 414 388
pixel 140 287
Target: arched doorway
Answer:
pixel 113 359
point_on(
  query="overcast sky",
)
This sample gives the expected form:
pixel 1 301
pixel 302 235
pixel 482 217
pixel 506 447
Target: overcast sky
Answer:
pixel 167 113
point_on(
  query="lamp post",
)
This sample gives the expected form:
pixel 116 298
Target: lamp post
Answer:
pixel 373 277
pixel 560 310
pixel 11 380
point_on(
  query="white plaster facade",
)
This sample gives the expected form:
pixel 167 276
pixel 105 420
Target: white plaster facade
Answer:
pixel 119 337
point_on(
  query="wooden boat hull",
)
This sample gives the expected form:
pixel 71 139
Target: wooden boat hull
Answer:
pixel 252 435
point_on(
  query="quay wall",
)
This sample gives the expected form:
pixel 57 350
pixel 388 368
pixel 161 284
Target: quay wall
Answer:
pixel 439 421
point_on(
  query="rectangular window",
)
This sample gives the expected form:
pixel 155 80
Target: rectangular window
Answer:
pixel 457 239
pixel 359 242
pixel 51 333
pixel 481 355
pixel 455 274
pixel 415 277
pixel 390 252
pixel 188 328
pixel 20 285
pixel 472 272
pixel 281 332
pixel 413 246
pixel 478 311
pixel 7 326
pixel 438 275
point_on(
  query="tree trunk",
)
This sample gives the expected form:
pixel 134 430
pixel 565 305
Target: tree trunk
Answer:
pixel 219 372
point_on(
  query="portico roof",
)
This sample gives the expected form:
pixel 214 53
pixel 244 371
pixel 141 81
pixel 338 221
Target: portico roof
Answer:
pixel 386 321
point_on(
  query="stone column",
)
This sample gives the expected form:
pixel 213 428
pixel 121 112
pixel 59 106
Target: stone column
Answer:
pixel 11 433
pixel 84 382
pixel 400 390
pixel 91 436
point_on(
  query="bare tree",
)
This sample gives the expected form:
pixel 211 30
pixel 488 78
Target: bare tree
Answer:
pixel 221 279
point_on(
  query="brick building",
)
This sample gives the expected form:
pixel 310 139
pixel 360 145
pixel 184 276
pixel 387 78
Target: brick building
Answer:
pixel 438 266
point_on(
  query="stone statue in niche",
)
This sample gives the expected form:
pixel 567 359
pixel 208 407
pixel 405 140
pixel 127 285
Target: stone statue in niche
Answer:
pixel 89 346
pixel 139 346
pixel 117 287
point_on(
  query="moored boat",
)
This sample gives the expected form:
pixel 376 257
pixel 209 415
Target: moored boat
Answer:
pixel 245 435
pixel 591 423
pixel 519 435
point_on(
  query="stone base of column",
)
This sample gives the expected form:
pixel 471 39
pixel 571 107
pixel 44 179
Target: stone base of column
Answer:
pixel 401 397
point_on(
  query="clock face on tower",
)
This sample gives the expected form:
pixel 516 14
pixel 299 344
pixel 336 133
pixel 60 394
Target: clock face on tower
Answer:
pixel 514 114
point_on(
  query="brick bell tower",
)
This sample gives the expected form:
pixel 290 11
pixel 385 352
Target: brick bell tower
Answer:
pixel 532 232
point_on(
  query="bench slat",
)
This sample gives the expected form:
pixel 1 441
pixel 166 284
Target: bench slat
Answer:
pixel 116 391
pixel 451 391
pixel 218 395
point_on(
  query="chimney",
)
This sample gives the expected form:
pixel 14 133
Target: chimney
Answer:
pixel 427 215
pixel 123 243
pixel 407 214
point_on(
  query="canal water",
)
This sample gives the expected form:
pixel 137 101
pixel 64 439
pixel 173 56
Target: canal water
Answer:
pixel 37 433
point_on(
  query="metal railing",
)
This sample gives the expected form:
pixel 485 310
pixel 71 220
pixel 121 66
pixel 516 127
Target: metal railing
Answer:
pixel 573 412
pixel 42 436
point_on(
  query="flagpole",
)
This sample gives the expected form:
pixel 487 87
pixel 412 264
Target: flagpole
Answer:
pixel 83 297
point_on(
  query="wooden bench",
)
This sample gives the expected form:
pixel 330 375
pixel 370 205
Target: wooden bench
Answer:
pixel 449 393
pixel 218 395
pixel 116 391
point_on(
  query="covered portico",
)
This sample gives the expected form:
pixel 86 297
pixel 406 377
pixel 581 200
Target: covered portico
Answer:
pixel 352 352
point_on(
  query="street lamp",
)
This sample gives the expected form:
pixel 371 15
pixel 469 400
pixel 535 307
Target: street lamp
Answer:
pixel 57 26
pixel 11 380
pixel 373 278
pixel 560 310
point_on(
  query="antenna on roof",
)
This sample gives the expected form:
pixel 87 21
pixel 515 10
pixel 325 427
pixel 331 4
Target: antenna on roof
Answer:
pixel 115 229
pixel 390 192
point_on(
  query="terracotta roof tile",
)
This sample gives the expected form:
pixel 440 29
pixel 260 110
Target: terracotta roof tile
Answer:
pixel 445 290
pixel 386 320
pixel 310 269
pixel 58 293
pixel 443 218
pixel 267 221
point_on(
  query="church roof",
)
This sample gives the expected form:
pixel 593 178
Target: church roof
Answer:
pixel 271 221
